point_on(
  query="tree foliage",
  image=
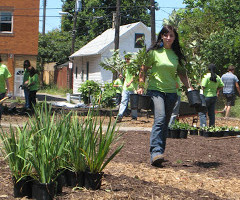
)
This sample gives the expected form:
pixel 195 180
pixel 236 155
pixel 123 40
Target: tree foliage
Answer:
pixel 96 16
pixel 209 32
pixel 54 46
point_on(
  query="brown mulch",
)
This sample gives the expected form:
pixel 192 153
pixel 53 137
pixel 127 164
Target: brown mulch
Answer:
pixel 194 168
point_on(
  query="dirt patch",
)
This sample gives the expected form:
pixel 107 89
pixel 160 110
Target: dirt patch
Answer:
pixel 194 168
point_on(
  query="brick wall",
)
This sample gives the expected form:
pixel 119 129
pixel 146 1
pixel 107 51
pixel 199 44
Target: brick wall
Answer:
pixel 22 43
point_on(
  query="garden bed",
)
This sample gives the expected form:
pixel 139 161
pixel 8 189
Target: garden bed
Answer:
pixel 195 168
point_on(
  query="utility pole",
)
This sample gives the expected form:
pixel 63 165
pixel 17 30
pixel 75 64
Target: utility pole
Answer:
pixel 117 26
pixel 74 31
pixel 117 30
pixel 153 29
pixel 44 16
pixel 77 8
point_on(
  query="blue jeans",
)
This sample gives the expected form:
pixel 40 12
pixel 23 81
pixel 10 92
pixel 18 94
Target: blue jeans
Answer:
pixel 175 111
pixel 124 104
pixel 163 107
pixel 26 95
pixel 210 103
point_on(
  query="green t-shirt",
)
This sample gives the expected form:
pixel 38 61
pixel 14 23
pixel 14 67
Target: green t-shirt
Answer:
pixel 4 74
pixel 164 64
pixel 179 91
pixel 25 76
pixel 34 79
pixel 120 83
pixel 210 87
pixel 128 78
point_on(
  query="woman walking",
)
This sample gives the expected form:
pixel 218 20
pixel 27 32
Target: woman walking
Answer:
pixel 211 84
pixel 166 62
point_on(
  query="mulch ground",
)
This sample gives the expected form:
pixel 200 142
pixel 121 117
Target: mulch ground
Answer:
pixel 194 168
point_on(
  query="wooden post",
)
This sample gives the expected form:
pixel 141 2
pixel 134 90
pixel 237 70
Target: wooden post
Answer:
pixel 153 29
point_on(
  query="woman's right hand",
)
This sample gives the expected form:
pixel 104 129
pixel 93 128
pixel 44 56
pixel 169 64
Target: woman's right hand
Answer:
pixel 140 91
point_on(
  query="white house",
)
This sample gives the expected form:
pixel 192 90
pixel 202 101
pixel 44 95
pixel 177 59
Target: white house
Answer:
pixel 86 60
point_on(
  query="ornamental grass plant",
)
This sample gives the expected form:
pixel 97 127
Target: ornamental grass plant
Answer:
pixel 15 149
pixel 102 144
pixel 48 142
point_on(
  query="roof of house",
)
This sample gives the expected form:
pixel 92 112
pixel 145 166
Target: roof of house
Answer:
pixel 101 42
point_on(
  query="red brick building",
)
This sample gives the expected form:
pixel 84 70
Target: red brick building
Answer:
pixel 19 21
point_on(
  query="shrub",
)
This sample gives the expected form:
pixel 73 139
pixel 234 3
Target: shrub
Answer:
pixel 108 94
pixel 89 88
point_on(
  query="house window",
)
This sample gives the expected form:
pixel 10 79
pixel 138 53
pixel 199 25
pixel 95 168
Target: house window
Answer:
pixel 76 71
pixel 138 43
pixel 87 73
pixel 82 75
pixel 5 22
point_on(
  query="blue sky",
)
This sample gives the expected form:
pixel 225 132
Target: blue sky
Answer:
pixel 54 6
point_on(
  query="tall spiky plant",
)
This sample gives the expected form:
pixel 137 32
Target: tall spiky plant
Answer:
pixel 15 149
pixel 48 142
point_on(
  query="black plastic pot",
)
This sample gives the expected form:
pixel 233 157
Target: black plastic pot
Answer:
pixel 193 132
pixel 23 187
pixel 217 134
pixel 43 191
pixel 134 101
pixel 144 102
pixel 183 134
pixel 207 134
pixel 74 178
pixel 194 98
pixel 60 182
pixel 93 180
pixel 226 133
pixel 175 133
pixel 168 133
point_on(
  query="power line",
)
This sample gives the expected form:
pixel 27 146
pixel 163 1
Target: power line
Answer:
pixel 102 7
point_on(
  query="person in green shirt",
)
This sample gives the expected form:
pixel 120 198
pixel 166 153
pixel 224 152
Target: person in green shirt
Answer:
pixel 118 83
pixel 4 84
pixel 166 62
pixel 26 65
pixel 33 86
pixel 129 87
pixel 211 84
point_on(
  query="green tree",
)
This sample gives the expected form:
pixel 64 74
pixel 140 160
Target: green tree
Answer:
pixel 209 30
pixel 96 16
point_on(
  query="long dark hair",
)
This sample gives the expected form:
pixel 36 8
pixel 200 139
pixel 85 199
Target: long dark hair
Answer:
pixel 32 71
pixel 175 46
pixel 26 64
pixel 212 69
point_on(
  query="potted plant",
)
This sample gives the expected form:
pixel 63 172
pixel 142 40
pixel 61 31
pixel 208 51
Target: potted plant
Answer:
pixel 99 150
pixel 74 157
pixel 193 130
pixel 184 127
pixel 109 92
pixel 89 89
pixel 15 149
pixel 138 60
pixel 48 141
pixel 174 130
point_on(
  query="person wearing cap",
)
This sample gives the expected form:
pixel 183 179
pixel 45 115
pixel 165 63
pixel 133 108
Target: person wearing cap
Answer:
pixel 230 81
pixel 211 85
pixel 118 83
pixel 4 83
pixel 129 87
